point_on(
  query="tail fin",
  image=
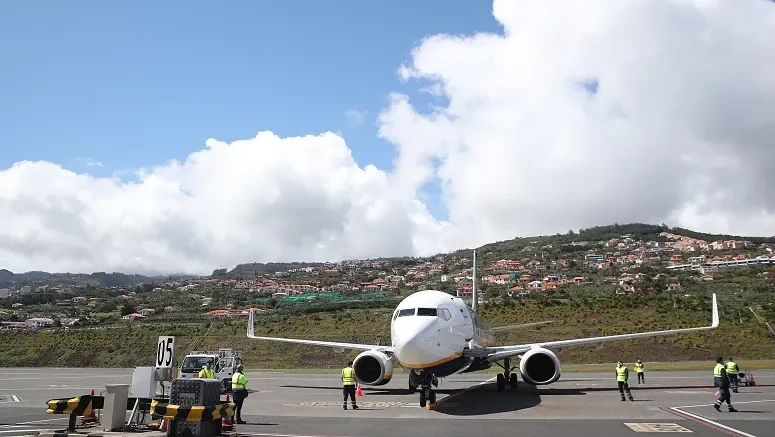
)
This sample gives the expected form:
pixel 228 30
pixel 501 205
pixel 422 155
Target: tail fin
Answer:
pixel 474 295
pixel 251 331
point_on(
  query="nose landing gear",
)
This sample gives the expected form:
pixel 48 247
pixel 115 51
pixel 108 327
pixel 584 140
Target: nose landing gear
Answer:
pixel 427 395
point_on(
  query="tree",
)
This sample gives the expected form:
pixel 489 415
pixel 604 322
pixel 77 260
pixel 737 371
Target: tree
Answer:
pixel 127 308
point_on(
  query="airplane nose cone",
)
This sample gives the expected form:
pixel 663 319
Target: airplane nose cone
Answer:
pixel 412 340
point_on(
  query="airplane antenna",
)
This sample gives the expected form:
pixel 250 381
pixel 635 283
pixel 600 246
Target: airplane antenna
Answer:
pixel 474 297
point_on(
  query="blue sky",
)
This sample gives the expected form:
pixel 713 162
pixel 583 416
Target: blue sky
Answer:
pixel 132 84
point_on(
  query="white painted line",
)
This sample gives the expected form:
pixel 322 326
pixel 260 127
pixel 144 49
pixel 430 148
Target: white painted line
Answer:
pixel 25 430
pixel 737 402
pixel 47 388
pixel 716 424
pixel 15 398
pixel 262 434
pixel 51 377
pixel 466 390
pixel 44 420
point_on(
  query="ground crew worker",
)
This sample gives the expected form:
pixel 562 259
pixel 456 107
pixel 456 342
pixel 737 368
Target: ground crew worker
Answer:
pixel 239 386
pixel 721 380
pixel 622 374
pixel 639 371
pixel 207 372
pixel 348 385
pixel 732 372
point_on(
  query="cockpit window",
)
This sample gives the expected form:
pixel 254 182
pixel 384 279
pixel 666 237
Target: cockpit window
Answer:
pixel 406 312
pixel 427 312
pixel 444 314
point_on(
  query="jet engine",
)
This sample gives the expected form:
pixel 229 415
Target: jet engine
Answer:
pixel 539 366
pixel 373 368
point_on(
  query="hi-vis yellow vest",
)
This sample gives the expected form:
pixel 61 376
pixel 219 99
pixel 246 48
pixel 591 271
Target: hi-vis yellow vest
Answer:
pixel 239 381
pixel 732 368
pixel 638 367
pixel 348 376
pixel 621 373
pixel 717 370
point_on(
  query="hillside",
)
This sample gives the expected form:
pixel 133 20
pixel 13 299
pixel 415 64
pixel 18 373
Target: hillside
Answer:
pixel 8 278
pixel 602 280
pixel 740 335
pixel 570 242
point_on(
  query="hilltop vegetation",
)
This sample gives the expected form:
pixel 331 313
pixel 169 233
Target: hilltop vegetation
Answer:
pixel 8 278
pixel 639 231
pixel 740 334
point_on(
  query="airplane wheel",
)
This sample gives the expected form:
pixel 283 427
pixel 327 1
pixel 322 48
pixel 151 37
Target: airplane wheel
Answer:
pixel 513 381
pixel 501 382
pixel 412 389
pixel 432 397
pixel 422 399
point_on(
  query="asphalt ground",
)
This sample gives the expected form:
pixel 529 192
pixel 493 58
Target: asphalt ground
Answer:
pixel 290 405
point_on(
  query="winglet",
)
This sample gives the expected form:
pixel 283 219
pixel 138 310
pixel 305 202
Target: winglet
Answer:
pixel 715 313
pixel 251 331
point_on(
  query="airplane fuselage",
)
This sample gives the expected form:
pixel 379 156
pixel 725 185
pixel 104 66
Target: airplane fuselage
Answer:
pixel 430 329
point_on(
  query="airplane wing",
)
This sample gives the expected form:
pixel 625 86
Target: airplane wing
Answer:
pixel 501 352
pixel 523 325
pixel 333 344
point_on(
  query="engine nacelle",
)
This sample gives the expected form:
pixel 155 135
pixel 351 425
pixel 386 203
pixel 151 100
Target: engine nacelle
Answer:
pixel 539 366
pixel 373 368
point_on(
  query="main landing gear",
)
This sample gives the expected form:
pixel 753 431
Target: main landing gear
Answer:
pixel 425 383
pixel 507 377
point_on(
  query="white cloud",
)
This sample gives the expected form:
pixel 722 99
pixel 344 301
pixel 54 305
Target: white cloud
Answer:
pixel 679 131
pixel 266 198
pixel 91 162
pixel 355 117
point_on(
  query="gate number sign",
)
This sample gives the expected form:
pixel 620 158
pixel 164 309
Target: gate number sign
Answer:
pixel 165 351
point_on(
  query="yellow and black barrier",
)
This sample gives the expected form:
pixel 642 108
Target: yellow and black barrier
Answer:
pixel 85 405
pixel 77 406
pixel 195 413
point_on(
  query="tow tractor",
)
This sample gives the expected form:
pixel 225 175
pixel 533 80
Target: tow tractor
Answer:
pixel 224 362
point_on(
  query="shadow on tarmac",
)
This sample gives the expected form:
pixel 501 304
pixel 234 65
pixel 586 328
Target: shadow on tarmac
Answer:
pixel 485 399
pixel 376 391
pixel 633 388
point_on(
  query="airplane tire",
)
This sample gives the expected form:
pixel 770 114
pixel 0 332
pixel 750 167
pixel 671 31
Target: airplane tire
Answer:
pixel 501 382
pixel 422 399
pixel 432 397
pixel 513 381
pixel 412 389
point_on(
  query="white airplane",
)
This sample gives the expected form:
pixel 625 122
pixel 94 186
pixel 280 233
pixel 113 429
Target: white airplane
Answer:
pixel 435 335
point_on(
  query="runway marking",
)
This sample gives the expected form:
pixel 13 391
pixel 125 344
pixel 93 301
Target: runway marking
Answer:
pixel 739 402
pixel 465 390
pixel 360 404
pixel 66 377
pixel 656 427
pixel 689 392
pixel 705 421
pixel 25 430
pixel 38 421
pixel 264 434
pixel 64 387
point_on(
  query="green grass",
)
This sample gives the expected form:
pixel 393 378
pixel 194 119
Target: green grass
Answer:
pixel 135 344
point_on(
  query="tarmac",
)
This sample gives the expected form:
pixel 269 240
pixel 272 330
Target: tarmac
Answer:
pixel 306 405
